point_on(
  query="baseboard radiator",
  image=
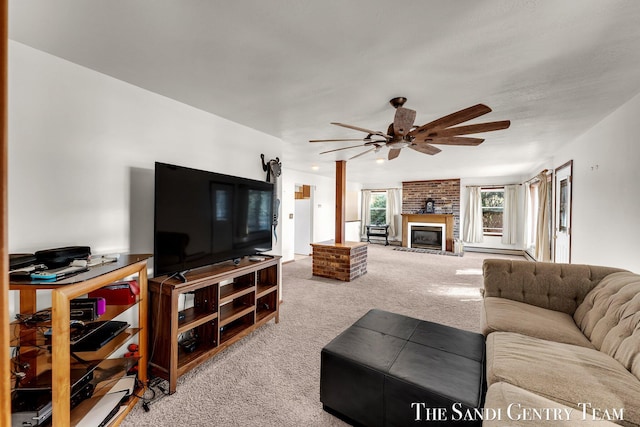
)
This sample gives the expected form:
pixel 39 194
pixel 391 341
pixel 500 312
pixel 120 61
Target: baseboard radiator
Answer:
pixel 517 252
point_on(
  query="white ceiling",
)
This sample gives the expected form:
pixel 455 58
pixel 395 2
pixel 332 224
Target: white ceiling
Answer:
pixel 290 67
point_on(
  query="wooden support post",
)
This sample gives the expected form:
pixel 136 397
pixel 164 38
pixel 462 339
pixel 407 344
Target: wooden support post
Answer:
pixel 5 362
pixel 341 194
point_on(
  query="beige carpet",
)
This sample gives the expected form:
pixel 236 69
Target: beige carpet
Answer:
pixel 272 377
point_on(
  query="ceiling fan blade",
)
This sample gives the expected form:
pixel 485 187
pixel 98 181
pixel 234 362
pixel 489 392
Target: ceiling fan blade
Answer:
pixel 454 118
pixel 464 130
pixel 450 140
pixel 403 120
pixel 362 154
pixel 393 153
pixel 339 140
pixel 425 148
pixel 338 149
pixel 369 131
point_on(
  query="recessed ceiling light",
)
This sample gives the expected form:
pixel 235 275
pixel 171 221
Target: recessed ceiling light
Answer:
pixel 380 161
pixel 315 167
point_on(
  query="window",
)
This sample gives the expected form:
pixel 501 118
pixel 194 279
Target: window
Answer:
pixel 378 208
pixel 563 220
pixel 492 210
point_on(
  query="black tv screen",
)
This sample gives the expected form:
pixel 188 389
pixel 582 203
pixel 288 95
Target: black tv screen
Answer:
pixel 203 218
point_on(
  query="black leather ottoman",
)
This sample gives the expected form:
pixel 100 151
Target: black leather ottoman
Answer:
pixel 392 370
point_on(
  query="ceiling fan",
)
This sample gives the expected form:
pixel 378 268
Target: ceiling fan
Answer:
pixel 402 133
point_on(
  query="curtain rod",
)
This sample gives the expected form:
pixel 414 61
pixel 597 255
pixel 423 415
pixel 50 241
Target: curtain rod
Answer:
pixel 379 189
pixel 544 171
pixel 491 186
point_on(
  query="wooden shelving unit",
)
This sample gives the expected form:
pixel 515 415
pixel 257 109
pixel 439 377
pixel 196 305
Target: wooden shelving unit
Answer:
pixel 229 302
pixel 54 354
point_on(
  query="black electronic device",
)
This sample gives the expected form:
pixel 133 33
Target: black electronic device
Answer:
pixel 203 218
pixel 97 334
pixel 87 309
pixel 31 402
pixel 79 374
pixel 189 345
pixel 85 313
pixel 60 257
pixel 30 407
pixel 21 260
pixel 81 394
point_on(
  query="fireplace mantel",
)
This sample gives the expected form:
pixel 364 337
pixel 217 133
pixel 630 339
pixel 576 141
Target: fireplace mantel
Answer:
pixel 446 219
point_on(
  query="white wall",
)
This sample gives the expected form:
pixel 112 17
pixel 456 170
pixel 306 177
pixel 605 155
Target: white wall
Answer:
pixel 82 147
pixel 606 198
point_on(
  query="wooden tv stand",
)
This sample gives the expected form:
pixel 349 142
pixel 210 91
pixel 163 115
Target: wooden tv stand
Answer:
pixel 229 302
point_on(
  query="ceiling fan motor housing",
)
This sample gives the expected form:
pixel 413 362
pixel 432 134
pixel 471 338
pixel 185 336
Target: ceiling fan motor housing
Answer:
pixel 398 101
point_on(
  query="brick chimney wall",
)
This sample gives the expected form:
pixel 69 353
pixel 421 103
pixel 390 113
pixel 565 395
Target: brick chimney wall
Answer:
pixel 442 191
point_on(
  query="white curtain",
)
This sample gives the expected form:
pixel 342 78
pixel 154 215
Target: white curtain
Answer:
pixel 510 215
pixel 528 219
pixel 393 210
pixel 366 212
pixel 473 217
pixel 543 243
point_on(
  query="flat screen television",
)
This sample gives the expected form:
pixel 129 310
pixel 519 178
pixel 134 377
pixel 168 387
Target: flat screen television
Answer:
pixel 204 218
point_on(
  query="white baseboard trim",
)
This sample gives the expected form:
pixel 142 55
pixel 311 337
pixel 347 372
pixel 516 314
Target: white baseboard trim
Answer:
pixel 517 252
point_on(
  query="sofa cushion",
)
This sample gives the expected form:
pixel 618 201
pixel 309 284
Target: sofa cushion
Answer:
pixel 506 404
pixel 505 315
pixel 610 317
pixel 564 373
pixel 560 287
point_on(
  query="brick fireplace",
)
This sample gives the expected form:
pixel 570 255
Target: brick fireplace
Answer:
pixel 444 192
pixel 428 222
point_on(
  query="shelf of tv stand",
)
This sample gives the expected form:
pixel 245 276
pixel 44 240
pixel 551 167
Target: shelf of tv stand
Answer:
pixel 57 356
pixel 226 297
pixel 193 318
pixel 230 313
pixel 32 334
pixel 233 290
pixel 109 348
pixel 264 289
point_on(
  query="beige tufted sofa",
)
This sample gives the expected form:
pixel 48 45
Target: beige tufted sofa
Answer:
pixel 563 344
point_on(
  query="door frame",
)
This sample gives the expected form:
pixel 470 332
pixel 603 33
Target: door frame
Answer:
pixel 296 218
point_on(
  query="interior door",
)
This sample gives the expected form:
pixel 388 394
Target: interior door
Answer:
pixel 562 217
pixel 303 221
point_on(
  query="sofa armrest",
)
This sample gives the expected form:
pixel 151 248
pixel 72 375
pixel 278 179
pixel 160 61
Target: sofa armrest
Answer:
pixel 559 287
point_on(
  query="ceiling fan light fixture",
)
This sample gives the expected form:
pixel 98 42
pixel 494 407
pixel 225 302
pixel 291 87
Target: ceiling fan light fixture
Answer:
pixel 398 144
pixel 379 160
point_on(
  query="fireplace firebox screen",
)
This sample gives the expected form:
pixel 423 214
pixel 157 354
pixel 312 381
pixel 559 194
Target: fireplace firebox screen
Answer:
pixel 426 237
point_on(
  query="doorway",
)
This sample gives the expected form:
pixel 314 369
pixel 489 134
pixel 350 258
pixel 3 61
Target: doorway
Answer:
pixel 562 218
pixel 303 219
